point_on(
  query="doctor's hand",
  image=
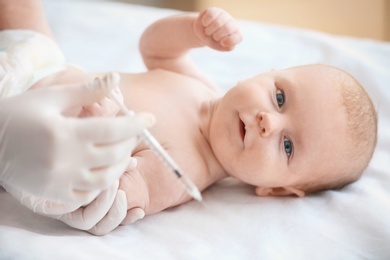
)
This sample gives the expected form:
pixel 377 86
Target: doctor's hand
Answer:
pixel 63 158
pixel 101 216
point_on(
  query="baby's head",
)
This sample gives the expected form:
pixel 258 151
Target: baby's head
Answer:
pixel 358 140
pixel 301 130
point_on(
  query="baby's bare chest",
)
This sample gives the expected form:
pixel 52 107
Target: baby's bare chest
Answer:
pixel 176 103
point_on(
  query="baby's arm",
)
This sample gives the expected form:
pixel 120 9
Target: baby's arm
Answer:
pixel 22 14
pixel 165 44
pixel 137 194
pixel 151 187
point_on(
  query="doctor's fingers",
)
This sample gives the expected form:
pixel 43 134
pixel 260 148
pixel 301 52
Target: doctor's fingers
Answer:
pixel 114 217
pixel 104 130
pixel 85 93
pixel 87 217
pixel 48 207
pixel 40 205
pixel 99 178
pixel 102 156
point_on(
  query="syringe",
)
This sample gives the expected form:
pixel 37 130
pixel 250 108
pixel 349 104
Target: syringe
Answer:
pixel 188 185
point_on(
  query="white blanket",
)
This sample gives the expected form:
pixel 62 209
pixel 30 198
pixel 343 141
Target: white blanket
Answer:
pixel 231 223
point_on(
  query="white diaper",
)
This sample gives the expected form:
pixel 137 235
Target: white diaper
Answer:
pixel 26 57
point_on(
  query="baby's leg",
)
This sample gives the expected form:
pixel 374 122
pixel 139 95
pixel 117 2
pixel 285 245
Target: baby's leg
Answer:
pixel 30 15
pixel 23 14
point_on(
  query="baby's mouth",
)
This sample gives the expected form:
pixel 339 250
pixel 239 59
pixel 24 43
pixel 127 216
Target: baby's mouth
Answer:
pixel 242 130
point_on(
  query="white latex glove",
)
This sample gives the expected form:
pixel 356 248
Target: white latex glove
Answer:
pixel 63 158
pixel 101 216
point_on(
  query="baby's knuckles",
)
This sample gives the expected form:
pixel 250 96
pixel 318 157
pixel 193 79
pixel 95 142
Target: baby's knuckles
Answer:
pixel 206 19
pixel 210 14
pixel 213 18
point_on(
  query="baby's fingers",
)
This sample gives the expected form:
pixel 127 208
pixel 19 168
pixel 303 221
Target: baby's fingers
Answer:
pixel 217 23
pixel 217 29
pixel 229 42
pixel 229 28
pixel 209 15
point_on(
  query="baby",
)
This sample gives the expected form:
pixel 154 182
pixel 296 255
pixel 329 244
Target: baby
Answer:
pixel 286 132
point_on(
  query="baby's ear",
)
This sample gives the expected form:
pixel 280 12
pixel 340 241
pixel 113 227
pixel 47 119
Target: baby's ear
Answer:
pixel 279 191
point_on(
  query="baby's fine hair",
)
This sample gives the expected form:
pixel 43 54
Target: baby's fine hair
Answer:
pixel 361 134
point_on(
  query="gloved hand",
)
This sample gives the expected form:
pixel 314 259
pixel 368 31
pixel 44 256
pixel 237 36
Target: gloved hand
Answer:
pixel 101 216
pixel 62 158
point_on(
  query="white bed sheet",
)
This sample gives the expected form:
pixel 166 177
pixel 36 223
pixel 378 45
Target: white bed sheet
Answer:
pixel 231 223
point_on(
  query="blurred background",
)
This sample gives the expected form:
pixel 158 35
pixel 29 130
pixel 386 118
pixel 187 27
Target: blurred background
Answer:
pixel 359 18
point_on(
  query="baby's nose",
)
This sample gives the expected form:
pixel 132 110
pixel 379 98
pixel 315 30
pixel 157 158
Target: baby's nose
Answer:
pixel 269 123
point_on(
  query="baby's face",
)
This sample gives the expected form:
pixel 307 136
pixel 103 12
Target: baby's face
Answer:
pixel 279 128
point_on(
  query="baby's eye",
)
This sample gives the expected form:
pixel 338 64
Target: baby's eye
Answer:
pixel 288 147
pixel 280 98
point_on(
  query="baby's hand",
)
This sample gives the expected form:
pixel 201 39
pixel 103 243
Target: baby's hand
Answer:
pixel 217 29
